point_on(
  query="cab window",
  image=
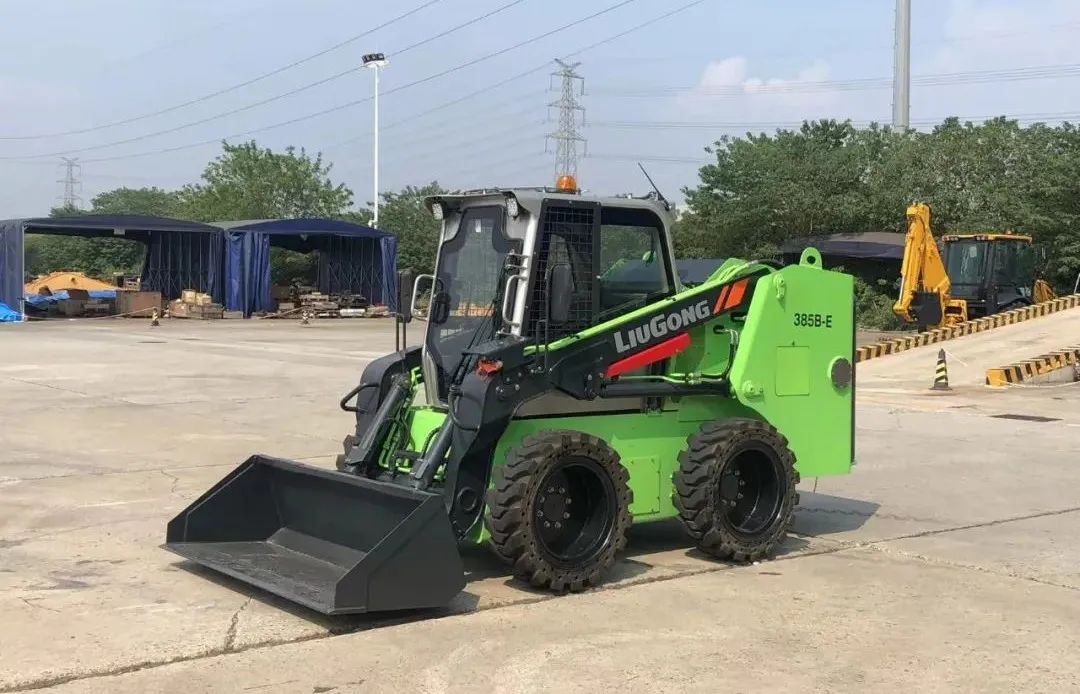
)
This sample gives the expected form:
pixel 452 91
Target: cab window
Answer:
pixel 632 268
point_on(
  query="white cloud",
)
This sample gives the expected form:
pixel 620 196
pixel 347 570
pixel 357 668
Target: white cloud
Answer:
pixel 988 35
pixel 728 87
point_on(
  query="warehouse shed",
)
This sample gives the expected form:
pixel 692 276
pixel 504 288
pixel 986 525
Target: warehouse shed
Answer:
pixel 179 254
pixel 353 259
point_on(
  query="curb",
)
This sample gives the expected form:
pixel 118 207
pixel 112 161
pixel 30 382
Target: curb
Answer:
pixel 1017 372
pixel 1017 315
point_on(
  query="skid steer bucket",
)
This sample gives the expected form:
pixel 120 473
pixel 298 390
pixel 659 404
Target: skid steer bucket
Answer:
pixel 328 540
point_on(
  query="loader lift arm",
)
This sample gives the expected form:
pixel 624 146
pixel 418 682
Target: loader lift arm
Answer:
pixel 925 297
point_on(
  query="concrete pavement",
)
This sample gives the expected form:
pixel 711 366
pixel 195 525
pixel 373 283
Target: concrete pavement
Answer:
pixel 947 560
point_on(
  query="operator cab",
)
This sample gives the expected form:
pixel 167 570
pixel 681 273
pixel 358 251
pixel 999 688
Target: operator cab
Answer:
pixel 991 272
pixel 508 256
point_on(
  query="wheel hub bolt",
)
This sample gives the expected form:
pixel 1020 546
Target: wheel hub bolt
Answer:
pixel 562 490
pixel 740 496
pixel 558 524
pixel 540 513
pixel 565 516
pixel 551 490
pixel 742 483
pixel 546 524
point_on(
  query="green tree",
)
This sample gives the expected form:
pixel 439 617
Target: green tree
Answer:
pixel 403 214
pixel 249 182
pixel 99 257
pixel 154 202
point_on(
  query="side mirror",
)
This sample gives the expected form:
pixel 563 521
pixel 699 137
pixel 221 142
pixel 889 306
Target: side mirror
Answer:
pixel 405 280
pixel 423 288
pixel 560 282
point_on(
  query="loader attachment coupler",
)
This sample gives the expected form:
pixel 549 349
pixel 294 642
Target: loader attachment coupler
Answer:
pixel 334 542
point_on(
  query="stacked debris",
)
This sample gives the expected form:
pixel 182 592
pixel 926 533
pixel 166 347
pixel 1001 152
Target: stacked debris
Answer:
pixel 193 304
pixel 297 301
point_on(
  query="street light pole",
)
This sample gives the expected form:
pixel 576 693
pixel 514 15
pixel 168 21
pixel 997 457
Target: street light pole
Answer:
pixel 375 61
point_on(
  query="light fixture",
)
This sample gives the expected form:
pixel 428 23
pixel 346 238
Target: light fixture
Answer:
pixel 437 211
pixel 374 60
pixel 566 184
pixel 512 208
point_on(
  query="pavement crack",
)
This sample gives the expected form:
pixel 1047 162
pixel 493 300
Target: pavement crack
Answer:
pixel 174 478
pixel 33 603
pixel 970 567
pixel 234 622
pixel 971 526
pixel 865 514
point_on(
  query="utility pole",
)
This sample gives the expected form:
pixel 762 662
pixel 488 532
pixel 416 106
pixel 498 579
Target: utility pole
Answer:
pixel 901 105
pixel 71 181
pixel 375 62
pixel 567 137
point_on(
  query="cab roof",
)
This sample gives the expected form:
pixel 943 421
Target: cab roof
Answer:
pixel 532 198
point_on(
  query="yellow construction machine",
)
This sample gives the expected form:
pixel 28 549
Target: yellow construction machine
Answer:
pixel 974 275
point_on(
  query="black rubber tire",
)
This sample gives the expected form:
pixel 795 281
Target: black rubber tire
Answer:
pixel 514 526
pixel 711 451
pixel 346 444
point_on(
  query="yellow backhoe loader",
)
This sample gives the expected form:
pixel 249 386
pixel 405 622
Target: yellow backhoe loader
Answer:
pixel 975 275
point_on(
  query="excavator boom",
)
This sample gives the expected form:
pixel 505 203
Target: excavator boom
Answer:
pixel 924 284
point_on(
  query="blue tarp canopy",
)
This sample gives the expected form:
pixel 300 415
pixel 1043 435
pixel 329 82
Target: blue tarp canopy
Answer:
pixel 179 254
pixel 353 259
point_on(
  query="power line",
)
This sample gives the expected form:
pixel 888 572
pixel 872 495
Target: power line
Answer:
pixel 660 159
pixel 231 88
pixel 1033 72
pixel 468 120
pixel 877 48
pixel 544 66
pixel 339 107
pixel 703 125
pixel 526 73
pixel 277 97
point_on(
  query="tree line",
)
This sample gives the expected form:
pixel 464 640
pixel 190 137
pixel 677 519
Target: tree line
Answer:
pixel 761 191
pixel 831 177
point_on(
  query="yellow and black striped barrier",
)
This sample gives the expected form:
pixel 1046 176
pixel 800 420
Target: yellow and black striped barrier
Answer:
pixel 1030 368
pixel 978 325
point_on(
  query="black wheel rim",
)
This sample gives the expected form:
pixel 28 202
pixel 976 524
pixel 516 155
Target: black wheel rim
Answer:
pixel 574 512
pixel 751 491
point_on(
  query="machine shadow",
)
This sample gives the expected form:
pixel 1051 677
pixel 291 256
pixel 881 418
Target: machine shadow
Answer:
pixel 669 535
pixel 818 515
pixel 821 515
pixel 333 624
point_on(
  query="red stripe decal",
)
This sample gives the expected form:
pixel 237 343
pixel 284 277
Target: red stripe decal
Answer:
pixel 720 299
pixel 737 291
pixel 667 348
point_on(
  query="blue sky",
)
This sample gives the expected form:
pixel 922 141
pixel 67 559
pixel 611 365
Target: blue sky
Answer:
pixel 718 67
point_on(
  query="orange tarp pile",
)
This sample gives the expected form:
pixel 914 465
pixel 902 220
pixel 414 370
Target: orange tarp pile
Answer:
pixel 60 281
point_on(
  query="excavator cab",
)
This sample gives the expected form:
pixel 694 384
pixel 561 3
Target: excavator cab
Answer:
pixel 991 272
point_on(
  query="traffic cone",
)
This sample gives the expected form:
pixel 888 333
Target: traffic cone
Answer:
pixel 941 373
pixel 154 319
pixel 303 318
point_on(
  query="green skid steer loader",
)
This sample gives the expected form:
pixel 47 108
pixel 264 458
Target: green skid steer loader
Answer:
pixel 567 387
